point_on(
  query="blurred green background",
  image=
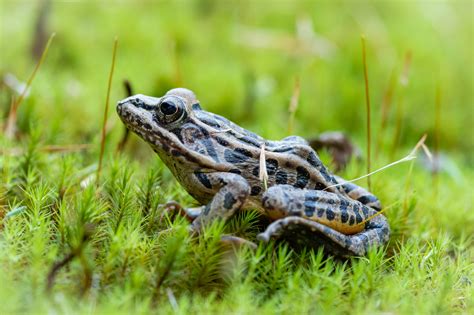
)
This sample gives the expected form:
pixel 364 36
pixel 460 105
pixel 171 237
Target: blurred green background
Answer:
pixel 242 59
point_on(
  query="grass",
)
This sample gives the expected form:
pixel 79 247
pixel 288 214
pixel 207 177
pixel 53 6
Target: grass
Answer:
pixel 368 155
pixel 68 245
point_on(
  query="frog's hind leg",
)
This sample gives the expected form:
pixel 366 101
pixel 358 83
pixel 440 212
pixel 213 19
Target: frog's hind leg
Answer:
pixel 333 210
pixel 300 232
pixel 232 193
pixel 323 218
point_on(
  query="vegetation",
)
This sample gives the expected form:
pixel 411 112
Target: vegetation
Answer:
pixel 72 244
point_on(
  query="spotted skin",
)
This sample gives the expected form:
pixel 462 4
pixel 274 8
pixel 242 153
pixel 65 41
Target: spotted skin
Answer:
pixel 218 163
pixel 300 232
pixel 360 194
pixel 327 208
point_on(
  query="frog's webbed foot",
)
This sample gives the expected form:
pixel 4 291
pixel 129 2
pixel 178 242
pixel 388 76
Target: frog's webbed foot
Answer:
pixel 300 232
pixel 339 146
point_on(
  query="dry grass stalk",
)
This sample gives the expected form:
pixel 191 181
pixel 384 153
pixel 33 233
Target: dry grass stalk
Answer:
pixel 404 81
pixel 409 157
pixel 367 102
pixel 106 110
pixel 437 132
pixel 293 105
pixel 11 127
pixel 387 102
pixel 420 144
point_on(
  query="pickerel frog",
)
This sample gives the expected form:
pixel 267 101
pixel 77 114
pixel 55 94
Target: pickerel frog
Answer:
pixel 217 162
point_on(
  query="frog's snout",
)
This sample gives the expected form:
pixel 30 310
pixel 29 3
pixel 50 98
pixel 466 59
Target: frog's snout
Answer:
pixel 120 103
pixel 133 109
pixel 135 100
pixel 120 106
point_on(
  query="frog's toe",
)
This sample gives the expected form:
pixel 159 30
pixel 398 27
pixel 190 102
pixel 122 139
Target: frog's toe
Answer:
pixel 264 237
pixel 237 242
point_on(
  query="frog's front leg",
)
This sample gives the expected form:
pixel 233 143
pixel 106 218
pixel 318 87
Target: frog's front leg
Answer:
pixel 232 190
pixel 317 218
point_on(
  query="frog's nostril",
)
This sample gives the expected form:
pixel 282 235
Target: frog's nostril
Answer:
pixel 137 102
pixel 125 101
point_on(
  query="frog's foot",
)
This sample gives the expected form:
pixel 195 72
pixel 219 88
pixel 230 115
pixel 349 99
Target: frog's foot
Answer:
pixel 174 208
pixel 237 242
pixel 300 232
pixel 339 146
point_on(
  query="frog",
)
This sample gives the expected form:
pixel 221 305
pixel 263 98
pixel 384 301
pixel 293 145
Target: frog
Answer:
pixel 219 164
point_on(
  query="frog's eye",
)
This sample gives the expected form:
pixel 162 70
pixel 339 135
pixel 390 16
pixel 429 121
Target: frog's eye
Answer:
pixel 170 109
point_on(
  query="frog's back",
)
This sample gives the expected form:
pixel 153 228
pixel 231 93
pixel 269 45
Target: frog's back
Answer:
pixel 290 161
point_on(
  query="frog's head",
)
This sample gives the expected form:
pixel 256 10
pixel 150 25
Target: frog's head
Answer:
pixel 153 118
